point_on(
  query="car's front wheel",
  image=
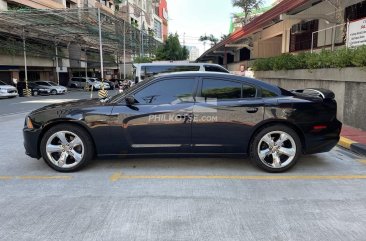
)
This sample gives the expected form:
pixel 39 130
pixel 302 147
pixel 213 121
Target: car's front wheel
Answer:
pixel 66 148
pixel 275 148
pixel 53 92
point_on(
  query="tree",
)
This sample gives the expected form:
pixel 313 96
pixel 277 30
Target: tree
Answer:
pixel 172 50
pixel 248 7
pixel 224 36
pixel 209 38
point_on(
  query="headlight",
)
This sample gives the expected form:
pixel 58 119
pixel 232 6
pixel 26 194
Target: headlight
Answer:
pixel 3 90
pixel 29 123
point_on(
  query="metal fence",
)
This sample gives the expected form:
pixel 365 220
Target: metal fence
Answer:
pixel 329 38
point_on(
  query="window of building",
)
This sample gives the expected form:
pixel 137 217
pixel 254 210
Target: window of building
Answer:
pixel 168 91
pixel 157 28
pixel 301 35
pixel 355 11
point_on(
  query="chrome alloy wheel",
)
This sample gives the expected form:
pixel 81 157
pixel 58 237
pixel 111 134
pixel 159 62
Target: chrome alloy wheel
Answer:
pixel 277 149
pixel 65 149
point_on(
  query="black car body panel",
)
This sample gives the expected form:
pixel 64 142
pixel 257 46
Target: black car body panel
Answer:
pixel 119 128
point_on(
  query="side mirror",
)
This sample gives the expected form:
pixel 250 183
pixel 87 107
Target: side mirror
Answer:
pixel 130 100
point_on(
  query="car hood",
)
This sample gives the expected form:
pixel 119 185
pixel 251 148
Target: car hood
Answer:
pixel 69 105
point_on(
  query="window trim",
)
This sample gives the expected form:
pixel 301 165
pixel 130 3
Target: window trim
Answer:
pixel 194 90
pixel 230 80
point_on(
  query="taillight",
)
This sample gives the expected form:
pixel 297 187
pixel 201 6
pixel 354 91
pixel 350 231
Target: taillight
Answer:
pixel 318 128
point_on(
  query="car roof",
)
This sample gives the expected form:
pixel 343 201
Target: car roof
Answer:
pixel 227 76
pixel 175 64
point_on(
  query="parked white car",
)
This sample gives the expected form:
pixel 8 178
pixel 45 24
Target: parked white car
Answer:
pixel 7 91
pixel 53 87
pixel 81 82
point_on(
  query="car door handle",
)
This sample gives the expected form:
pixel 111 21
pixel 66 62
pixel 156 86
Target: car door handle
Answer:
pixel 252 110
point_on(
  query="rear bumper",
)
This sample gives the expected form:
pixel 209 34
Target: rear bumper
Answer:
pixel 31 142
pixel 323 141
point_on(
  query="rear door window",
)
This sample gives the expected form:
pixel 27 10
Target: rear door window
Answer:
pixel 215 89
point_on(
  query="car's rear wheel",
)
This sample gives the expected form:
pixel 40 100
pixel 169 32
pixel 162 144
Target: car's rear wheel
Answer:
pixel 53 92
pixel 275 148
pixel 66 148
pixel 35 93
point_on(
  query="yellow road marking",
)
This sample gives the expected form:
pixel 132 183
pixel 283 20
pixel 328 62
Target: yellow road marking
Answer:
pixel 43 177
pixel 118 176
pixel 362 161
pixel 5 177
pixel 346 143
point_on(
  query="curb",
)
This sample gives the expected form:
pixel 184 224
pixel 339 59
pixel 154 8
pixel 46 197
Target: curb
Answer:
pixel 354 146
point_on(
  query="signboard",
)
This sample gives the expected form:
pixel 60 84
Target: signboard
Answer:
pixel 356 33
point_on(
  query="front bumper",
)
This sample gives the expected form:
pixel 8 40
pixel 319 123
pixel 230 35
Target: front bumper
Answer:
pixel 61 91
pixel 322 141
pixel 31 142
pixel 8 95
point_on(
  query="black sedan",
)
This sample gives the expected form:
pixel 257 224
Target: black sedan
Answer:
pixel 188 113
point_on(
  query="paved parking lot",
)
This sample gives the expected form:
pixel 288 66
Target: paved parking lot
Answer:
pixel 322 198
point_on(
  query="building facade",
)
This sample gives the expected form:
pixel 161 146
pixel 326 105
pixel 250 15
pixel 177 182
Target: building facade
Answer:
pixel 194 53
pixel 291 26
pixel 142 14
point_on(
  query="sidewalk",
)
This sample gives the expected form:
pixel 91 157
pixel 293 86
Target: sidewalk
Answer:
pixel 353 139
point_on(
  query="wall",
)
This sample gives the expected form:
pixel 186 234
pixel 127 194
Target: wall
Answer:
pixel 348 84
pixel 18 60
pixel 267 48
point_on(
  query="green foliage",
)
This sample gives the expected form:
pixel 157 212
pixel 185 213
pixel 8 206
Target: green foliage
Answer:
pixel 340 58
pixel 172 50
pixel 359 58
pixel 142 59
pixel 248 6
pixel 210 38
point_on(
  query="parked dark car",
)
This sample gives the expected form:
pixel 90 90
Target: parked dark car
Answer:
pixel 35 89
pixel 188 113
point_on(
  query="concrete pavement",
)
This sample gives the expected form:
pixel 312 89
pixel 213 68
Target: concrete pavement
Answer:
pixel 322 198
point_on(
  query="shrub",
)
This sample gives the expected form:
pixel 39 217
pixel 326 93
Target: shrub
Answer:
pixel 339 58
pixel 359 58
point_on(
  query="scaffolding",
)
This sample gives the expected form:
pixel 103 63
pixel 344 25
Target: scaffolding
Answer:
pixel 45 32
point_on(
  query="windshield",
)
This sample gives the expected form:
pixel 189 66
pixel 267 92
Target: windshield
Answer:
pixel 91 80
pixel 51 83
pixel 2 83
pixel 118 97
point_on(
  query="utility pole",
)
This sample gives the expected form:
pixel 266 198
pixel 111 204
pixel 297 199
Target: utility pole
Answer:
pixel 124 48
pixel 57 68
pixel 184 39
pixel 101 49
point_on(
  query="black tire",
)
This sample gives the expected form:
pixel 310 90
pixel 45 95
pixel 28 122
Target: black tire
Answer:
pixel 256 141
pixel 35 93
pixel 53 92
pixel 81 133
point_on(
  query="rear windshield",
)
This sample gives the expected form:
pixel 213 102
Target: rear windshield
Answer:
pixel 148 71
